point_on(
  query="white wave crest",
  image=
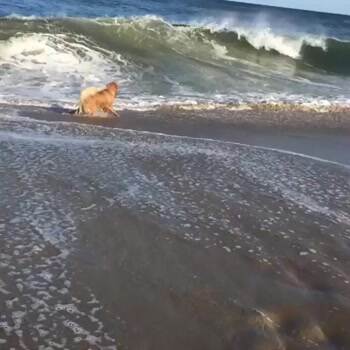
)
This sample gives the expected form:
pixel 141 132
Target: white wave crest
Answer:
pixel 288 46
pixel 261 35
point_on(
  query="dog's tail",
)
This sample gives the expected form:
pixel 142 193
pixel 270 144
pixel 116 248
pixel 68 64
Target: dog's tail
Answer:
pixel 79 109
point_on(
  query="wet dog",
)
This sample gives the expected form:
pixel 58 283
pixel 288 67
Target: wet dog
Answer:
pixel 94 100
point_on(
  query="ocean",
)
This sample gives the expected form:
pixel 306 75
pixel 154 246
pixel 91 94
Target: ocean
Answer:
pixel 214 214
pixel 190 52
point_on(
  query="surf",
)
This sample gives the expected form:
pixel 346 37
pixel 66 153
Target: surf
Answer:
pixel 161 60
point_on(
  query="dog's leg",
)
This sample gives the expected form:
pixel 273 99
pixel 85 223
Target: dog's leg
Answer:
pixel 110 109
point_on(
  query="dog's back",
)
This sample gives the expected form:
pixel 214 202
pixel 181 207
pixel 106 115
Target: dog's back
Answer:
pixel 94 100
pixel 84 95
pixel 102 101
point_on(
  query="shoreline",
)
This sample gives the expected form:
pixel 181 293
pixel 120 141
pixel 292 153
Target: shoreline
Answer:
pixel 262 115
pixel 315 134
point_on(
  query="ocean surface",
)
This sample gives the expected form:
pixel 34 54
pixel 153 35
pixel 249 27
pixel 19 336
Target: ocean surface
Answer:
pixel 162 52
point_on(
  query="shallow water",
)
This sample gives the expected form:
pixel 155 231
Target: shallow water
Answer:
pixel 118 239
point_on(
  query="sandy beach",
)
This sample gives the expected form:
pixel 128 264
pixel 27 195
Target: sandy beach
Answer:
pixel 170 230
pixel 214 214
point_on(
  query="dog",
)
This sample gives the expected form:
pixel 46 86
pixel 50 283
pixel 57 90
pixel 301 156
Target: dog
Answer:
pixel 94 100
pixel 84 95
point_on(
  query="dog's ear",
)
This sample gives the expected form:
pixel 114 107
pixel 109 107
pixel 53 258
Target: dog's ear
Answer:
pixel 113 86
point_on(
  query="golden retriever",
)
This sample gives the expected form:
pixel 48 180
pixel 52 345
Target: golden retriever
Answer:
pixel 94 100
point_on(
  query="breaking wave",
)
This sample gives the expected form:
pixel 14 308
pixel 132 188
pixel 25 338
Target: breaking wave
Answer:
pixel 153 57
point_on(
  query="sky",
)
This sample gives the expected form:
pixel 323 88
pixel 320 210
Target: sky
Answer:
pixel 333 6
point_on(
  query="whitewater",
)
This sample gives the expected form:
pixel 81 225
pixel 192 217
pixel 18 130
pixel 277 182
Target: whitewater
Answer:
pixel 237 57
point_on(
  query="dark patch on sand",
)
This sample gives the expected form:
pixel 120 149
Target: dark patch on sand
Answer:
pixel 173 294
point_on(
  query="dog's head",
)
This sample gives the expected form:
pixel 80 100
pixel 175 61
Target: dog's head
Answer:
pixel 113 87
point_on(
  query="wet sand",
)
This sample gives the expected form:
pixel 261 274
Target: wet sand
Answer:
pixel 324 135
pixel 123 239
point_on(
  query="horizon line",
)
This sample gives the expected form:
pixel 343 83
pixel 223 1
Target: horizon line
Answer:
pixel 288 8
